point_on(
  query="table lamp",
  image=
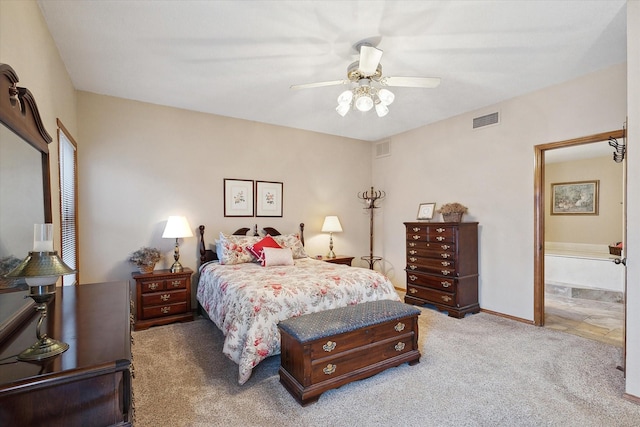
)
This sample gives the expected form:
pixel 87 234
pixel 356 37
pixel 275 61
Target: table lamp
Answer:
pixel 177 227
pixel 331 225
pixel 41 270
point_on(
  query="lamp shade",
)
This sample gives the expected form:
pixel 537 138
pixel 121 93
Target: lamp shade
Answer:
pixel 177 226
pixel 331 224
pixel 41 268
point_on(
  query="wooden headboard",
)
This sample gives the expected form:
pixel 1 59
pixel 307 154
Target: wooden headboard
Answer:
pixel 207 255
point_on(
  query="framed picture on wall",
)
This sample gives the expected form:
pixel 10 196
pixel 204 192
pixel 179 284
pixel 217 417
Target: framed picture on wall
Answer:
pixel 268 198
pixel 425 211
pixel 238 197
pixel 575 198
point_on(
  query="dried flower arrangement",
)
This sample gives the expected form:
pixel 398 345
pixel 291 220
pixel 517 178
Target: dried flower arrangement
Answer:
pixel 145 257
pixel 455 207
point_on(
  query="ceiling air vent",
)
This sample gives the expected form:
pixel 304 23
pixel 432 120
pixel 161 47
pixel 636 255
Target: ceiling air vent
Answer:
pixel 486 120
pixel 383 149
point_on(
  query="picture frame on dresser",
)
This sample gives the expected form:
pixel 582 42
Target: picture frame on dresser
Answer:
pixel 425 211
pixel 268 199
pixel 238 197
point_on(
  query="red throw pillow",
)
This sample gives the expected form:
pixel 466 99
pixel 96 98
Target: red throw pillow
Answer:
pixel 257 248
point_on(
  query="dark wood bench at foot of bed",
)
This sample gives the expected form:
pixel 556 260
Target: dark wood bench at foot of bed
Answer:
pixel 325 350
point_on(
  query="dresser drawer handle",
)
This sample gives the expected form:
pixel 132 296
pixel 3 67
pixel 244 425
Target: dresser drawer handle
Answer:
pixel 413 267
pixel 413 252
pixel 153 286
pixel 176 283
pixel 445 247
pixel 399 327
pixel 446 298
pixel 399 346
pixel 440 230
pixel 440 238
pixel 412 244
pixel 329 346
pixel 445 272
pixel 165 297
pixel 413 290
pixel 412 277
pixel 445 263
pixel 416 229
pixel 165 310
pixel 413 259
pixel 445 284
pixel 329 369
pixel 445 255
pixel 416 237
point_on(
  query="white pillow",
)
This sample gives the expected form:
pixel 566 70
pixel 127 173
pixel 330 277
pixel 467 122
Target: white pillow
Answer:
pixel 275 256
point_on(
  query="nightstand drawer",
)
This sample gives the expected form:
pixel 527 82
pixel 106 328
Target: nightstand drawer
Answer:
pixel 151 285
pixel 168 297
pixel 164 310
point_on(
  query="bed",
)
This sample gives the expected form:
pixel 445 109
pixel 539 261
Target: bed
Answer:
pixel 247 300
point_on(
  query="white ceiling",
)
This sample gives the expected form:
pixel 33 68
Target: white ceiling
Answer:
pixel 238 58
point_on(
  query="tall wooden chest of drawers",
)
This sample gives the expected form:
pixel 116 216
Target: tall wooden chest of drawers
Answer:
pixel 162 297
pixel 442 266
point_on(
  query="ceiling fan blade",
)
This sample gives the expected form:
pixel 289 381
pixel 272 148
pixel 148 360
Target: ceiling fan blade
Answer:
pixel 319 84
pixel 369 59
pixel 425 82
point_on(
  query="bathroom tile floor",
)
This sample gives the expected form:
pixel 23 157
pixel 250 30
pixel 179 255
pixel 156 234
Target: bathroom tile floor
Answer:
pixel 596 320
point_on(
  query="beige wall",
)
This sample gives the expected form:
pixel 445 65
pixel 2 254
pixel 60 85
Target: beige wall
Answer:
pixel 140 163
pixel 604 228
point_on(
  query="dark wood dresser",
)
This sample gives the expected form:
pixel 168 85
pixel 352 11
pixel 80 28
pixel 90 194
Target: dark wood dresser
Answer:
pixel 87 385
pixel 442 266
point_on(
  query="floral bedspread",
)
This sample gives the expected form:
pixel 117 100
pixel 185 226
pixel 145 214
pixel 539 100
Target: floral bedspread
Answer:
pixel 246 301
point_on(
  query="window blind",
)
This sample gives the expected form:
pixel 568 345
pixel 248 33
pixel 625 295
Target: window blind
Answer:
pixel 68 204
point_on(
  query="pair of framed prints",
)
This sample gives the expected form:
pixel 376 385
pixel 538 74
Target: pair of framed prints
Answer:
pixel 246 197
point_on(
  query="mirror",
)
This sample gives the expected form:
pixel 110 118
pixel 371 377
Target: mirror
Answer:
pixel 25 196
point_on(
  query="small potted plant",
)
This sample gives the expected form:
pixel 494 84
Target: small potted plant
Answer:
pixel 145 258
pixel 452 212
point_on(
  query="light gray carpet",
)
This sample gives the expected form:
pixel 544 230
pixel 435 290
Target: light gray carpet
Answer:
pixel 482 370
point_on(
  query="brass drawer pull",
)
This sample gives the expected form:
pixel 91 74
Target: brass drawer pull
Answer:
pixel 176 283
pixel 446 298
pixel 445 247
pixel 445 263
pixel 165 297
pixel 412 277
pixel 329 346
pixel 399 327
pixel 440 230
pixel 413 259
pixel 413 252
pixel 416 229
pixel 416 237
pixel 165 310
pixel 413 290
pixel 445 284
pixel 329 369
pixel 413 267
pixel 153 286
pixel 440 238
pixel 445 255
pixel 399 346
pixel 445 272
pixel 412 244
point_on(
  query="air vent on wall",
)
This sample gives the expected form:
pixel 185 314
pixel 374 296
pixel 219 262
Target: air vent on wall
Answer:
pixel 486 120
pixel 383 149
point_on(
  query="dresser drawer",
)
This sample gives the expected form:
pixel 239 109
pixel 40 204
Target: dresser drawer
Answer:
pixel 443 268
pixel 432 295
pixel 361 337
pixel 435 247
pixel 441 283
pixel 328 368
pixel 151 285
pixel 431 250
pixel 160 298
pixel 164 310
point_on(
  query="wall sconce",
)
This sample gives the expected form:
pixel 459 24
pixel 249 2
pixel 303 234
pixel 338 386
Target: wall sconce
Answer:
pixel 177 227
pixel 41 270
pixel 331 225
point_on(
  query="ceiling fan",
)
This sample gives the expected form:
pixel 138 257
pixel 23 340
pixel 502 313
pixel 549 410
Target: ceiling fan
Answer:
pixel 368 84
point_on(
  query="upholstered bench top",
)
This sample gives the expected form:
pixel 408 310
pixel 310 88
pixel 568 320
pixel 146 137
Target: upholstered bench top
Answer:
pixel 345 319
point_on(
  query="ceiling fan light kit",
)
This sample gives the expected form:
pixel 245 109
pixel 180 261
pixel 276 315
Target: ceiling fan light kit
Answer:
pixel 365 95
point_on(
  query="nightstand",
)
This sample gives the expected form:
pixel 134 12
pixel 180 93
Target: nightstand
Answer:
pixel 339 259
pixel 162 297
